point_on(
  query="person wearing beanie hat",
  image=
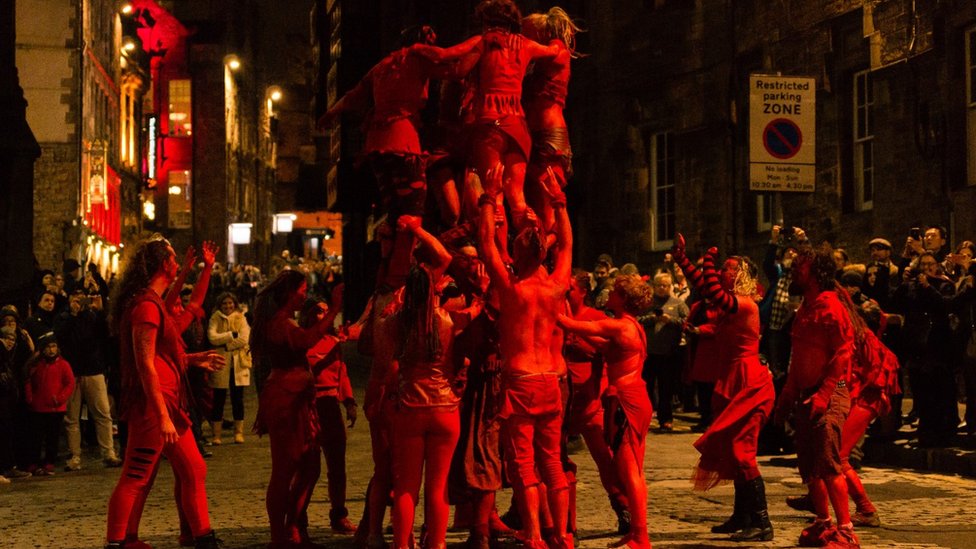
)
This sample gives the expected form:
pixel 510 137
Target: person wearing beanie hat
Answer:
pixel 46 392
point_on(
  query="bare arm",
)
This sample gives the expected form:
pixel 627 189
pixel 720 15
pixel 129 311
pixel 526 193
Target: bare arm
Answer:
pixel 355 99
pixel 442 258
pixel 538 51
pixel 486 233
pixel 609 328
pixel 563 268
pixel 453 53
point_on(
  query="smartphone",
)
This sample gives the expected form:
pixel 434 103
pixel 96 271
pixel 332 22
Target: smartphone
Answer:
pixel 915 233
pixel 658 312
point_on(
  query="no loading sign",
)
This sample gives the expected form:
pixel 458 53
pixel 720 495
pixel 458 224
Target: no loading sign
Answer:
pixel 782 138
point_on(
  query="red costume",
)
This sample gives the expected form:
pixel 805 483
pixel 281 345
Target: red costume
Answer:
pixel 743 397
pixel 145 444
pixel 547 85
pixel 820 366
pixel 332 388
pixel 286 412
pixel 426 427
pixel 586 414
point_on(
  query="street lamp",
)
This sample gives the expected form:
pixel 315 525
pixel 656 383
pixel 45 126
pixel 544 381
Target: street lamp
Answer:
pixel 283 223
pixel 126 8
pixel 274 92
pixel 233 62
pixel 240 233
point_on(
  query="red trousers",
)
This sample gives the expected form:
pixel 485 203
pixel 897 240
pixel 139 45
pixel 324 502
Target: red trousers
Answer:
pixel 423 438
pixel 143 451
pixel 332 436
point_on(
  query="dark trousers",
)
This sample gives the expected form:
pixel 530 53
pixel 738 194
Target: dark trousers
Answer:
pixel 7 460
pixel 47 432
pixel 704 391
pixel 934 390
pixel 969 378
pixel 332 433
pixel 236 402
pixel 665 371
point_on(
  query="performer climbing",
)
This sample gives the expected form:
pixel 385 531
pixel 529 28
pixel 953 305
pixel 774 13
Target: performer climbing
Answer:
pixel 743 397
pixel 544 99
pixel 630 409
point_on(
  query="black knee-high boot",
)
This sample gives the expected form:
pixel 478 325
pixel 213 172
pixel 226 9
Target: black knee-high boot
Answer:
pixel 759 529
pixel 740 515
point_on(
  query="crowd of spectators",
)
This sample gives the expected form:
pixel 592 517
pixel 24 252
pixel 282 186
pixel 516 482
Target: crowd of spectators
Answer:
pixel 919 298
pixel 59 379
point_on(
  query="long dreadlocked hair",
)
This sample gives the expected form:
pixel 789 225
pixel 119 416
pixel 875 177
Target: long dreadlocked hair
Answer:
pixel 853 312
pixel 269 301
pixel 148 258
pixel 822 266
pixel 556 24
pixel 418 312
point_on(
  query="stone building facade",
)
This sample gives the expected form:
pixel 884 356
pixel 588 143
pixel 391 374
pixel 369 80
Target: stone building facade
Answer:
pixel 659 120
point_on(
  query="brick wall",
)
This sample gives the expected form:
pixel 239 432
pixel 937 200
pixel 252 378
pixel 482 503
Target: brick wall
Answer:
pixel 55 201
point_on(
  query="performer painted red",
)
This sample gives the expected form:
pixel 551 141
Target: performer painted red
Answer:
pixel 743 397
pixel 629 411
pixel 286 407
pixel 531 343
pixel 155 404
pixel 817 391
pixel 333 391
pixel 427 421
pixel 589 378
pixel 544 98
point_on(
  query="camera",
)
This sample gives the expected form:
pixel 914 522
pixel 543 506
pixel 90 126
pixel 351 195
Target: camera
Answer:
pixel 915 233
pixel 658 312
pixel 788 231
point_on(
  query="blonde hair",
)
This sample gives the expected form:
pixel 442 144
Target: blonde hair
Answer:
pixel 556 24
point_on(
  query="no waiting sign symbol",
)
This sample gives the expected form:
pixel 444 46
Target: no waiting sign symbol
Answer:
pixel 782 138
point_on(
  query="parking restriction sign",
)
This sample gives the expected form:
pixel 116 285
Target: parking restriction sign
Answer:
pixel 782 133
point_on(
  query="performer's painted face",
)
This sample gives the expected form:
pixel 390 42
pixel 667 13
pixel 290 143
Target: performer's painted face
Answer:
pixel 729 271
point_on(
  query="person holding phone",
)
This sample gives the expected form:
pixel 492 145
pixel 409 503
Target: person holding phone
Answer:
pixel 663 324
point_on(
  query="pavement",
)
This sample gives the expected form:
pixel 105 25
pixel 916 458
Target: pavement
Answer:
pixel 918 508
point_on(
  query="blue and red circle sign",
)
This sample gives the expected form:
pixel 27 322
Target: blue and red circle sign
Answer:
pixel 782 138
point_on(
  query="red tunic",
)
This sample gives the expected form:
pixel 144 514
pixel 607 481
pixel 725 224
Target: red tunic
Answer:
pixel 146 307
pixel 425 382
pixel 501 69
pixel 331 378
pixel 550 78
pixel 744 391
pixel 823 345
pixel 288 398
pixel 398 87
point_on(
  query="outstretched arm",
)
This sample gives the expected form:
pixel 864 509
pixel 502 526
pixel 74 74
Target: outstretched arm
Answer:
pixel 609 328
pixel 563 268
pixel 486 229
pixel 453 53
pixel 355 99
pixel 442 258
pixel 706 280
pixel 538 51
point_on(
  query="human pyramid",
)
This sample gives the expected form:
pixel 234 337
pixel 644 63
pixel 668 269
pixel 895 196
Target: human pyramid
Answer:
pixel 484 356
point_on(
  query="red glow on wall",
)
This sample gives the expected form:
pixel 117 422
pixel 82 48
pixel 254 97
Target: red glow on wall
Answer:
pixel 105 219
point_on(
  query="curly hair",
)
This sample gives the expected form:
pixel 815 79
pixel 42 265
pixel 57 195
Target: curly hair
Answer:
pixel 499 13
pixel 269 301
pixel 147 259
pixel 228 295
pixel 636 293
pixel 746 281
pixel 556 24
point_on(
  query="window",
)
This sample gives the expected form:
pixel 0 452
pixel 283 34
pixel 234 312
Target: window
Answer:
pixel 179 199
pixel 764 212
pixel 971 106
pixel 180 121
pixel 662 191
pixel 127 124
pixel 863 141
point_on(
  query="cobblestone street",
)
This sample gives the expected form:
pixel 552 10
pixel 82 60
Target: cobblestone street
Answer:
pixel 68 509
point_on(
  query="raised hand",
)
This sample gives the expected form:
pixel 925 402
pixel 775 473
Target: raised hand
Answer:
pixel 408 222
pixel 189 258
pixel 210 250
pixel 678 249
pixel 550 185
pixel 493 179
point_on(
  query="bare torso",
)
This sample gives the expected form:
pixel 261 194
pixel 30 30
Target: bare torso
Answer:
pixel 530 340
pixel 625 356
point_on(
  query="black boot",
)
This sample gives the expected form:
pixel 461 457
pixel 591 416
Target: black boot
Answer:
pixel 759 529
pixel 207 541
pixel 623 516
pixel 740 515
pixel 115 545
